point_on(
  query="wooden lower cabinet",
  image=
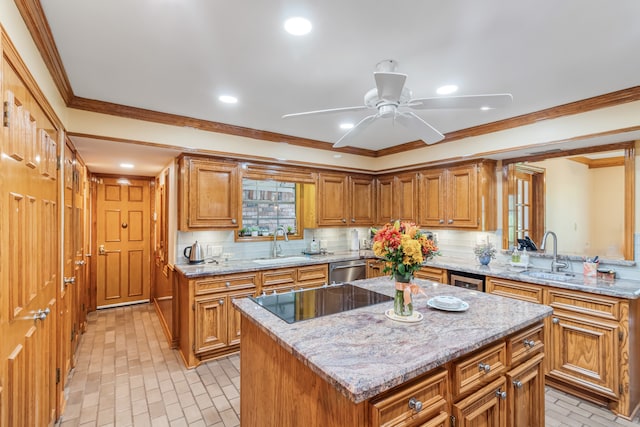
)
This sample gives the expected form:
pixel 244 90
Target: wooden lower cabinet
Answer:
pixel 525 394
pixel 374 268
pixel 486 407
pixel 432 273
pixel 209 324
pixel 592 351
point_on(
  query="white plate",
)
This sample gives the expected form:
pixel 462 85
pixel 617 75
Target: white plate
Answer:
pixel 462 307
pixel 447 301
pixel 415 317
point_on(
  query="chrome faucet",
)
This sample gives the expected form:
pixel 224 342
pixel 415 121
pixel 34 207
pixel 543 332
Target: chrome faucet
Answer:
pixel 276 248
pixel 555 264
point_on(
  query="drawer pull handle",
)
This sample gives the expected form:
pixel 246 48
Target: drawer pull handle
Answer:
pixel 555 320
pixel 501 394
pixel 484 367
pixel 517 384
pixel 221 302
pixel 227 284
pixel 529 343
pixel 415 404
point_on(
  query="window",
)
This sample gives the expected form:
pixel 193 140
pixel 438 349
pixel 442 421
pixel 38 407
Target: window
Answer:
pixel 267 205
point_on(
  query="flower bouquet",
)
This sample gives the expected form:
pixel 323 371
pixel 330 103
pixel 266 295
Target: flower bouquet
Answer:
pixel 404 248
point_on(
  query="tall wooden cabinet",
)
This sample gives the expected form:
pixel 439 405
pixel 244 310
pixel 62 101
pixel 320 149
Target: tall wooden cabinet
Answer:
pixel 208 192
pixel 459 197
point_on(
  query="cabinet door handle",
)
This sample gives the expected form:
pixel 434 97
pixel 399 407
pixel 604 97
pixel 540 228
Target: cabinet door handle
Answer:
pixel 450 221
pixel 344 220
pixel 484 367
pixel 501 394
pixel 555 320
pixel 529 343
pixel 42 314
pixel 517 384
pixel 68 280
pixel 221 302
pixel 415 404
pixel 234 221
pixel 353 220
pixel 441 221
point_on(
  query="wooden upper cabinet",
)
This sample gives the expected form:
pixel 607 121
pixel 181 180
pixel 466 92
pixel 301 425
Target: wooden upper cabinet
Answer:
pixel 384 197
pixel 459 197
pixel 333 200
pixel 209 194
pixel 345 200
pixel 362 200
pixel 397 198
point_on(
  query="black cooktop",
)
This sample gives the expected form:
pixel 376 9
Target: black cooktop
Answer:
pixel 311 303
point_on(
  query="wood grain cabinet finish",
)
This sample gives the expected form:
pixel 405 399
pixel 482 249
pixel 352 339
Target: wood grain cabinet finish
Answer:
pixel 344 200
pixel 459 197
pixel 374 268
pixel 209 194
pixel 432 273
pixel 592 349
pixel 486 407
pixel 397 197
pixel 209 324
pixel 525 394
pixel 312 276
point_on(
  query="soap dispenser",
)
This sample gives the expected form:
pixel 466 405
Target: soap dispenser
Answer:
pixel 313 246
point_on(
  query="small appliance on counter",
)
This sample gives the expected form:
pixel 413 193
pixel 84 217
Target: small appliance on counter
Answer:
pixel 194 253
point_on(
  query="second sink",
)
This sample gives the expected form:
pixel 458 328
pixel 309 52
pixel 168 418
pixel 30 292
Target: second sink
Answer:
pixel 547 275
pixel 284 260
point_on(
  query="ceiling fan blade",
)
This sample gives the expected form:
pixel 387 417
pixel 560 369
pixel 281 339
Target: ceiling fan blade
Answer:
pixel 353 133
pixel 328 111
pixel 419 127
pixel 465 101
pixel 389 85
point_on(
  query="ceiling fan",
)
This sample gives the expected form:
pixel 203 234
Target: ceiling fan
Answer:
pixel 390 97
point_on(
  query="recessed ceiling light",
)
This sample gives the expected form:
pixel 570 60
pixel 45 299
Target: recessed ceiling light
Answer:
pixel 228 99
pixel 337 156
pixel 297 26
pixel 485 108
pixel 446 89
pixel 126 165
pixel 346 125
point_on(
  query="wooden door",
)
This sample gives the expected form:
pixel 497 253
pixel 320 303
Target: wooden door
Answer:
pixel 462 197
pixel 234 316
pixel 484 408
pixel 384 200
pixel 210 323
pixel 432 194
pixel 525 394
pixel 406 203
pixel 29 257
pixel 362 203
pixel 333 200
pixel 584 351
pixel 123 228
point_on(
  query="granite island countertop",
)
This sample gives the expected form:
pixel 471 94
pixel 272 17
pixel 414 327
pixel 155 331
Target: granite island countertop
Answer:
pixel 362 353
pixel 621 288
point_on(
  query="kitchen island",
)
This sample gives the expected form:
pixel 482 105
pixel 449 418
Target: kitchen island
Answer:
pixel 359 367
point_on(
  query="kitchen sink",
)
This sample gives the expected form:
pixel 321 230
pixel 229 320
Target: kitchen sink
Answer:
pixel 548 275
pixel 283 260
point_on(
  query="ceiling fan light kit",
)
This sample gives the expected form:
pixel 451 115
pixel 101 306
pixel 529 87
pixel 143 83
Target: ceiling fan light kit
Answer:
pixel 390 97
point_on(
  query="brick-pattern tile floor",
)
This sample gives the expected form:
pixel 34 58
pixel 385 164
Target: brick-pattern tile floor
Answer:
pixel 126 375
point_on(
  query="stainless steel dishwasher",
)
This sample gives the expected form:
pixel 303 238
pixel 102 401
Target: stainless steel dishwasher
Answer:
pixel 346 271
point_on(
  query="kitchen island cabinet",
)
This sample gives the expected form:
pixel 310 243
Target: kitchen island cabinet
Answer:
pixel 592 349
pixel 359 368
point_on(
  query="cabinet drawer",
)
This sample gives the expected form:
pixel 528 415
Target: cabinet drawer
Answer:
pixel 584 303
pixel 517 290
pixel 479 368
pixel 427 393
pixel 524 344
pixel 279 277
pixel 224 283
pixel 432 273
pixel 315 273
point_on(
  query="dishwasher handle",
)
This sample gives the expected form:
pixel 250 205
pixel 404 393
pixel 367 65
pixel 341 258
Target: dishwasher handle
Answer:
pixel 342 267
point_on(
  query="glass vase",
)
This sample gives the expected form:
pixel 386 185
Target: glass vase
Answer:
pixel 403 300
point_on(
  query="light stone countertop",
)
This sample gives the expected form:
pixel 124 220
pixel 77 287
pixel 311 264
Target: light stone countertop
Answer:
pixel 622 288
pixel 363 353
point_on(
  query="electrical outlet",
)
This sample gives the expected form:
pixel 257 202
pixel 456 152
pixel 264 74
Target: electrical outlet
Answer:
pixel 216 251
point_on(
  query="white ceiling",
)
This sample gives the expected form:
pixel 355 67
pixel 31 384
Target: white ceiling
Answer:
pixel 177 56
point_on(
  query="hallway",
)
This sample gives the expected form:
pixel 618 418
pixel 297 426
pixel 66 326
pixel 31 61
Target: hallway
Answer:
pixel 126 375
